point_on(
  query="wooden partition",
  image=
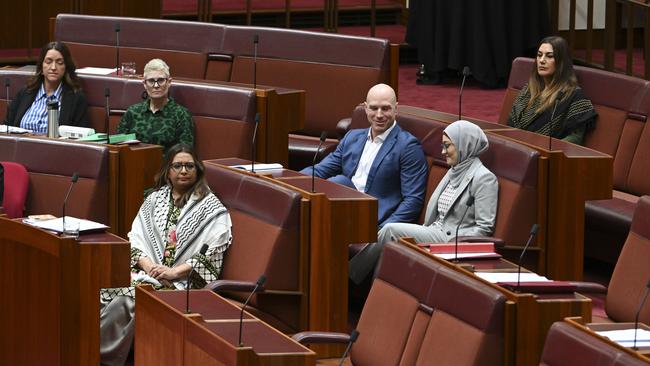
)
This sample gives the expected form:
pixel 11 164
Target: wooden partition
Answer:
pixel 208 335
pixel 338 216
pixel 50 300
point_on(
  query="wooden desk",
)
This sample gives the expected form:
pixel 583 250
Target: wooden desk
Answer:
pixel 534 312
pixel 50 299
pixel 339 216
pixel 166 335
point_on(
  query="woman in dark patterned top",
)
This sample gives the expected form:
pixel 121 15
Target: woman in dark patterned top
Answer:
pixel 159 119
pixel 179 217
pixel 553 79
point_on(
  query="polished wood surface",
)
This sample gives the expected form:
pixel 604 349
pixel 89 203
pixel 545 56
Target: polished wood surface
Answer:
pixel 166 335
pixel 339 216
pixel 50 300
pixel 533 315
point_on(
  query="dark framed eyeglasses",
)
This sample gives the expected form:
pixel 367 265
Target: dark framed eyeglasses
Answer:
pixel 159 81
pixel 177 167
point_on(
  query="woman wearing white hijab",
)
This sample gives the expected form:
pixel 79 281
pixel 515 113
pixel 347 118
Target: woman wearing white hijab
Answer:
pixel 462 143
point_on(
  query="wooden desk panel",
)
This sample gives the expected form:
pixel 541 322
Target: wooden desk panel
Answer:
pixel 534 315
pixel 50 301
pixel 166 335
pixel 575 174
pixel 135 172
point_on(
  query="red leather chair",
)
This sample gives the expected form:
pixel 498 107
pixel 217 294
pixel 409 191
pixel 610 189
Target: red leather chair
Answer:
pixel 420 312
pixel 565 345
pixel 628 284
pixel 16 184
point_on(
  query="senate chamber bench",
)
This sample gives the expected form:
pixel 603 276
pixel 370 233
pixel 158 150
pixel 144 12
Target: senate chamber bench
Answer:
pixel 295 237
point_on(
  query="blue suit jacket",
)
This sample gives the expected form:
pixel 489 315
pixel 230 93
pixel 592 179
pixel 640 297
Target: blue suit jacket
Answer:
pixel 397 177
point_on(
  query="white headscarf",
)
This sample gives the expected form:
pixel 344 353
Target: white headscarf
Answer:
pixel 470 142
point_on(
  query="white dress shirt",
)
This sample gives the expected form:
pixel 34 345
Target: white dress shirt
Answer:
pixel 370 150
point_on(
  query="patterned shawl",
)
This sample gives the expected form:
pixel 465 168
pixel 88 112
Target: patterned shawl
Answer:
pixel 573 113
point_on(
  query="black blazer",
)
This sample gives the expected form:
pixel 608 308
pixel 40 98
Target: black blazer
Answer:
pixel 73 109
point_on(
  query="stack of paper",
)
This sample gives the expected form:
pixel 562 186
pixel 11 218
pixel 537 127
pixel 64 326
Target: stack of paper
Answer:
pixel 625 337
pixel 272 166
pixel 57 224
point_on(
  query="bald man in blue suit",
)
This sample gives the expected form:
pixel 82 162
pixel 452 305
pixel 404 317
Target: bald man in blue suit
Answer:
pixel 383 161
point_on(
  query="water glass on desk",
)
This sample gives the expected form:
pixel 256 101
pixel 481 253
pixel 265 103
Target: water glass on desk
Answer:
pixel 71 228
pixel 128 69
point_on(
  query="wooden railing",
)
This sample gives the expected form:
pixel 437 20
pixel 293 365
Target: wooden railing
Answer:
pixel 615 37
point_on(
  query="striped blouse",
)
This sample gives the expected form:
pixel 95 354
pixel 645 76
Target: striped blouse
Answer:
pixel 35 118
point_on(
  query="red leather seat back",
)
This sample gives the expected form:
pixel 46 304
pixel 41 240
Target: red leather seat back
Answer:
pixel 16 184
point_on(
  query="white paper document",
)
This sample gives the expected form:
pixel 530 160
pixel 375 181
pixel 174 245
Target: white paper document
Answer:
pixel 625 337
pixel 12 129
pixel 449 256
pixel 495 277
pixel 272 166
pixel 96 70
pixel 57 224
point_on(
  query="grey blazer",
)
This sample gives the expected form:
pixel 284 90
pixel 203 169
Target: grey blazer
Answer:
pixel 480 183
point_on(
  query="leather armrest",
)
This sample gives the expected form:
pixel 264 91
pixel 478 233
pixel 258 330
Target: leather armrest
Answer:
pixel 321 337
pixel 589 287
pixel 343 126
pixel 232 285
pixel 498 242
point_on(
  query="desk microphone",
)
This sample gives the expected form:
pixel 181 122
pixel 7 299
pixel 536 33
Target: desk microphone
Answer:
pixel 258 284
pixel 203 250
pixel 323 136
pixel 257 123
pixel 256 41
pixel 75 178
pixel 466 72
pixel 117 48
pixel 7 85
pixel 560 95
pixel 638 312
pixel 533 233
pixel 353 338
pixel 107 95
pixel 470 202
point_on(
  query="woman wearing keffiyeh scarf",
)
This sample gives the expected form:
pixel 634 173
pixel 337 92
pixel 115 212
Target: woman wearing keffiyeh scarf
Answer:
pixel 174 222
